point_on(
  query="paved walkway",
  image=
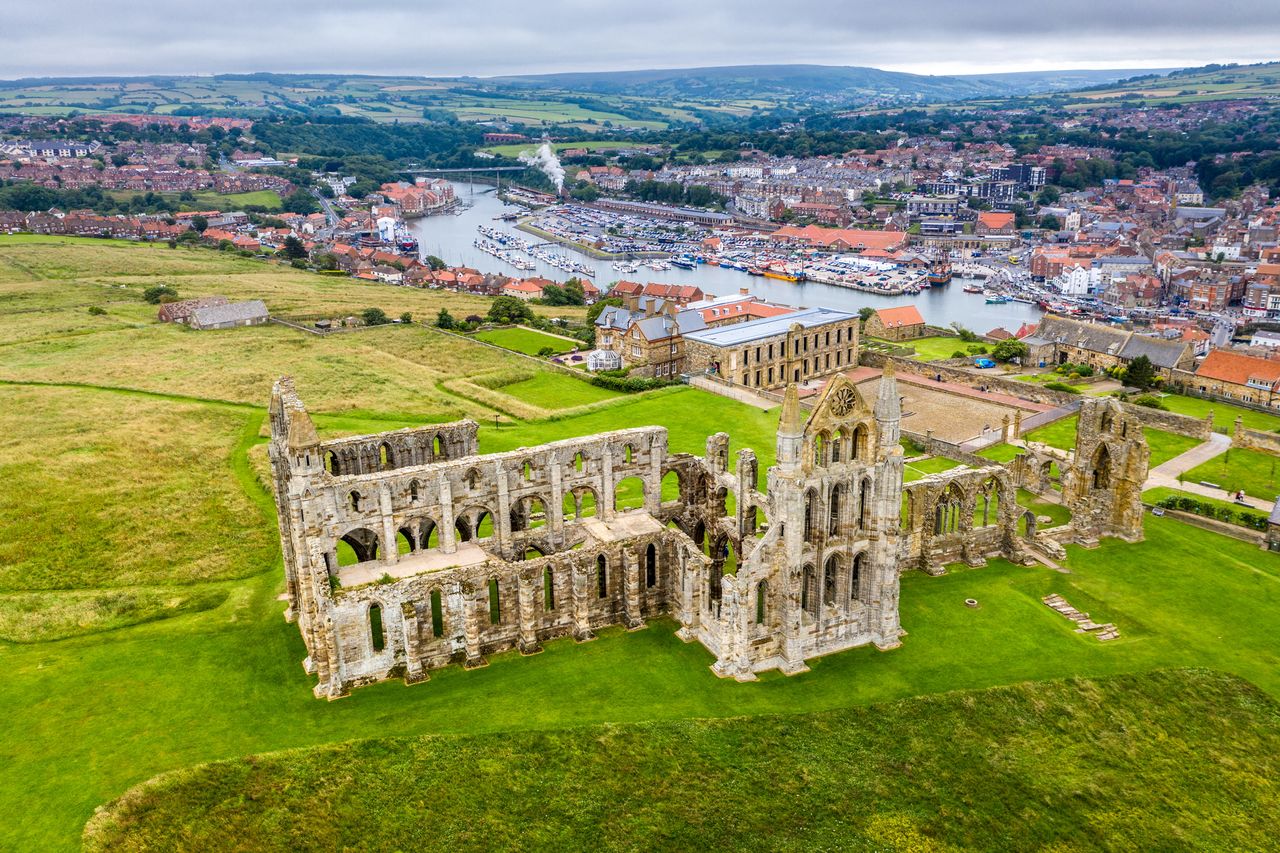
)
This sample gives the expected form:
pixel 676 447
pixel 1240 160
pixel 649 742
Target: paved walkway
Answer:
pixel 1166 474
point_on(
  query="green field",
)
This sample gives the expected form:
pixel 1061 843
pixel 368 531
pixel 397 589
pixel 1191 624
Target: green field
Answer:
pixel 527 341
pixel 936 348
pixel 557 391
pixel 1239 468
pixel 1062 435
pixel 515 149
pixel 1224 414
pixel 141 629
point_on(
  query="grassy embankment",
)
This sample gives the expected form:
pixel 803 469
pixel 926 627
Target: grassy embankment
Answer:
pixel 1043 763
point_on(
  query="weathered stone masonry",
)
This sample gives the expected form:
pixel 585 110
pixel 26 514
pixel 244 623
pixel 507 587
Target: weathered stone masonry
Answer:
pixel 453 556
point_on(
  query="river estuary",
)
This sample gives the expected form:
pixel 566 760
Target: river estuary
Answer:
pixel 451 237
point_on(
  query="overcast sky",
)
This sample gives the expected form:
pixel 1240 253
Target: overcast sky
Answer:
pixel 485 37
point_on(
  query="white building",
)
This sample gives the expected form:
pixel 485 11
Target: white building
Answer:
pixel 603 359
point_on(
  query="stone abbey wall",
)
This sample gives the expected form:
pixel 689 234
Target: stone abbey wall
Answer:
pixel 409 550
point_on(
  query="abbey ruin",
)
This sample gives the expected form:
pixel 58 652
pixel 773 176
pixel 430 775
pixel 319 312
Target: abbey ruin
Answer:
pixel 409 550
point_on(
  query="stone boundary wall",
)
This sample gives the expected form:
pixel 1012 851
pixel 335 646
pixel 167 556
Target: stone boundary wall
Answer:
pixel 1199 428
pixel 1213 525
pixel 929 370
pixel 1168 421
pixel 938 447
pixel 1253 439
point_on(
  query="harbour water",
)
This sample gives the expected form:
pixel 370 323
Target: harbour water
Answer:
pixel 451 237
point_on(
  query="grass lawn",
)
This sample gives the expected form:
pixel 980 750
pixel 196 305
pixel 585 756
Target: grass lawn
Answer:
pixel 1045 763
pixel 1238 468
pixel 933 465
pixel 1000 452
pixel 1060 434
pixel 1166 445
pixel 554 390
pixel 232 201
pixel 936 348
pixel 1057 513
pixel 1224 414
pixel 527 341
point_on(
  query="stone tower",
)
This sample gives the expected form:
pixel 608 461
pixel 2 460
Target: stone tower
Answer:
pixel 1104 487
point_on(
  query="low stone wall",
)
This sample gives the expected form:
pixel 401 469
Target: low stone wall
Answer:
pixel 938 447
pixel 931 370
pixel 1213 525
pixel 1267 442
pixel 1199 428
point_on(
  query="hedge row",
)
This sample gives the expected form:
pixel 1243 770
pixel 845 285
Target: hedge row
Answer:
pixel 1210 510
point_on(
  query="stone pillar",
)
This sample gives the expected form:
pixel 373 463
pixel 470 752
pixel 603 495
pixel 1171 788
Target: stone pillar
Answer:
pixel 688 611
pixel 502 524
pixel 390 548
pixel 581 606
pixel 413 669
pixel 528 642
pixel 653 489
pixel 1004 429
pixel 631 581
pixel 448 535
pixel 555 511
pixel 471 628
pixel 1017 423
pixel 604 506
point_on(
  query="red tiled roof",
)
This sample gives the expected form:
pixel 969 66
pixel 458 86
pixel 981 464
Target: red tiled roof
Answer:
pixel 904 315
pixel 1238 369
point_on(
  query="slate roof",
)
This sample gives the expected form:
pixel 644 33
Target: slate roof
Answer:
pixel 754 330
pixel 234 312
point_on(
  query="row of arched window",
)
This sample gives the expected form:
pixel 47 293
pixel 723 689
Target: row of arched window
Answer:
pixel 819 519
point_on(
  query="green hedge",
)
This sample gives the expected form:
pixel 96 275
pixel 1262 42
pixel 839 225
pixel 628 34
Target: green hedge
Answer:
pixel 1241 517
pixel 628 384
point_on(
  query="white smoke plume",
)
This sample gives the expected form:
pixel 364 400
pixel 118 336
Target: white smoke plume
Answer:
pixel 546 160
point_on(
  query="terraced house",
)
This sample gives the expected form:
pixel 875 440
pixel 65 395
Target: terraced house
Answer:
pixel 1061 340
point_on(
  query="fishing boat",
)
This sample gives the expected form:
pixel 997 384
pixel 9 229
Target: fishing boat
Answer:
pixel 684 262
pixel 996 299
pixel 972 288
pixel 782 275
pixel 754 271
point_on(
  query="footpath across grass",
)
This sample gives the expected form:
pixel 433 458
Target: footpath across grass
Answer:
pixel 1192 752
pixel 1256 472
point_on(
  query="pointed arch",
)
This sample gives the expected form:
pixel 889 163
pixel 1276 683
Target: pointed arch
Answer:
pixel 437 614
pixel 495 602
pixel 377 633
pixel 762 602
pixel 650 566
pixel 809 590
pixel 629 494
pixel 602 576
pixel 834 505
pixel 1102 468
pixel 830 579
pixel 386 456
pixel 856 574
pixel 548 589
pixel 331 463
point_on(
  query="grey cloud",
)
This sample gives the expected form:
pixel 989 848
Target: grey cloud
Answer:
pixel 506 37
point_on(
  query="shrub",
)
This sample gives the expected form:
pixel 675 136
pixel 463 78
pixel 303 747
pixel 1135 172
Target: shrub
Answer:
pixel 374 317
pixel 959 354
pixel 1061 386
pixel 157 293
pixel 546 352
pixel 406 317
pixel 1242 518
pixel 628 384
pixel 1149 401
pixel 97 310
